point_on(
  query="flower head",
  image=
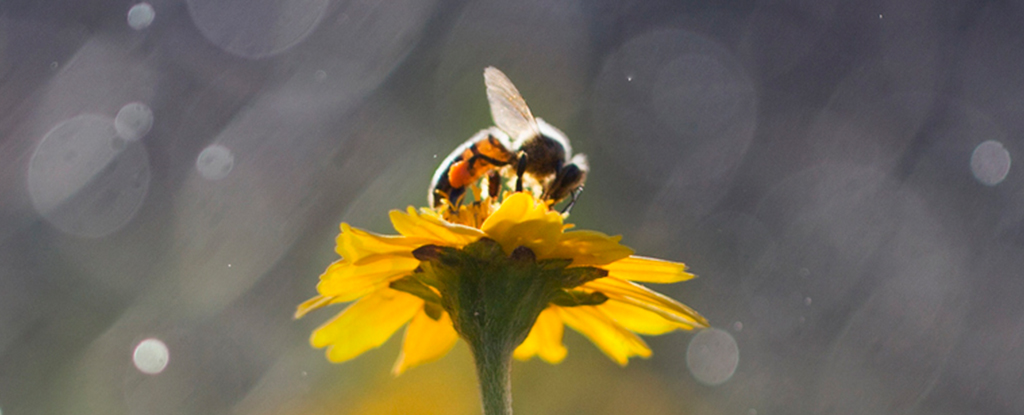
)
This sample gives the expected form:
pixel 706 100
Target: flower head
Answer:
pixel 454 271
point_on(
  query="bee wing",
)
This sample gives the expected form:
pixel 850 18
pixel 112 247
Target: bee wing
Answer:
pixel 508 108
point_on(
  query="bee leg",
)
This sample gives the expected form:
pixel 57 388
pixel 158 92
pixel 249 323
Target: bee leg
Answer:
pixel 493 183
pixel 520 170
pixel 572 202
pixel 455 198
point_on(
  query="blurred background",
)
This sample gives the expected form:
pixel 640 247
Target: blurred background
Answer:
pixel 172 176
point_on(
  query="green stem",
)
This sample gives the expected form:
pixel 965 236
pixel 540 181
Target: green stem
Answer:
pixel 494 370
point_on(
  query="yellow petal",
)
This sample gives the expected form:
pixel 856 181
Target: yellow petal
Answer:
pixel 616 342
pixel 424 226
pixel 522 221
pixel 590 248
pixel 365 324
pixel 359 246
pixel 636 319
pixel 347 281
pixel 640 296
pixel 545 339
pixel 426 340
pixel 313 304
pixel 643 269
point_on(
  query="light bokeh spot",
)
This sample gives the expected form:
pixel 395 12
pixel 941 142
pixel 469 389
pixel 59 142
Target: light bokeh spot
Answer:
pixel 712 356
pixel 990 162
pixel 151 356
pixel 256 28
pixel 215 162
pixel 133 121
pixel 85 180
pixel 140 16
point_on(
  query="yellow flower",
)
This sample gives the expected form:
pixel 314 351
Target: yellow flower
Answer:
pixel 404 279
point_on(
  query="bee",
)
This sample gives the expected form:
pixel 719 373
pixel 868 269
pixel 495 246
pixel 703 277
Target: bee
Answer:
pixel 530 145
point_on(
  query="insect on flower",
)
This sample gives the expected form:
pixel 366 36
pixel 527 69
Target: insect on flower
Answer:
pixel 520 145
pixel 503 271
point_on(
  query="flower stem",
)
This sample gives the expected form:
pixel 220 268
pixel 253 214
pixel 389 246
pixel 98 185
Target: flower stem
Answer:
pixel 493 368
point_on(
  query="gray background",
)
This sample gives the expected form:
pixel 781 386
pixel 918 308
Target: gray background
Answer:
pixel 817 163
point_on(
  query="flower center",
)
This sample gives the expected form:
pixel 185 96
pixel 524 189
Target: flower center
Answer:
pixel 485 195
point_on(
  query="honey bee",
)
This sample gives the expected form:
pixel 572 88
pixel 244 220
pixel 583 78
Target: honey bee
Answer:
pixel 530 145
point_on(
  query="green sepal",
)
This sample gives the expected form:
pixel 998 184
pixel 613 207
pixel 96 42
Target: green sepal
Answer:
pixel 574 298
pixel 412 285
pixel 554 264
pixel 492 297
pixel 433 310
pixel 577 276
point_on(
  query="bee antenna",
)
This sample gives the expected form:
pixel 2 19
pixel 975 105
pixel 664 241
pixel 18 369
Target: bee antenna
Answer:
pixel 572 202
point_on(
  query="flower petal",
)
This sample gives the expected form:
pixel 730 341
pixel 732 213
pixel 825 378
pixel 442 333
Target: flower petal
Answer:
pixel 616 342
pixel 545 339
pixel 313 304
pixel 359 246
pixel 643 269
pixel 366 324
pixel 637 319
pixel 426 340
pixel 347 281
pixel 649 300
pixel 413 224
pixel 590 248
pixel 522 221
